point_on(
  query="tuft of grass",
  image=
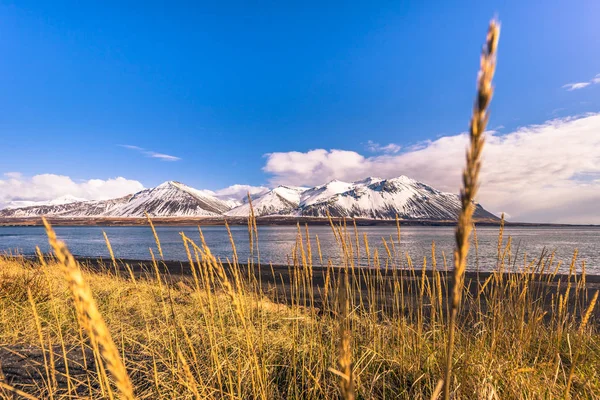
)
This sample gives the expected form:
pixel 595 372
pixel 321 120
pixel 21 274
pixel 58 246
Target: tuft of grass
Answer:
pixel 470 185
pixel 88 314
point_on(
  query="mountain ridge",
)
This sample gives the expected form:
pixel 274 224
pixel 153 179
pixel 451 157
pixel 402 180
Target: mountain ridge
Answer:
pixel 370 198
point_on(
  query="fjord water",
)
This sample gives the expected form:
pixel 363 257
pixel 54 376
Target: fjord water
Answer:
pixel 276 243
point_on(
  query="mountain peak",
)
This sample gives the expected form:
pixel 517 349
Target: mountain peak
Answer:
pixel 168 184
pixel 173 199
pixel 336 182
pixel 283 200
pixel 402 179
pixel 368 181
pixel 291 187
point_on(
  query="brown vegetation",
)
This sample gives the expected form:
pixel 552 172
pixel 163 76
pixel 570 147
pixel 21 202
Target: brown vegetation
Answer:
pixel 351 332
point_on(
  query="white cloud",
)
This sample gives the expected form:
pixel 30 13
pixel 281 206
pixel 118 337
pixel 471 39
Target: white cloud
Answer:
pixel 151 154
pixel 574 86
pixel 131 147
pixel 580 85
pixel 540 173
pixel 391 148
pixel 164 157
pixel 240 192
pixel 18 189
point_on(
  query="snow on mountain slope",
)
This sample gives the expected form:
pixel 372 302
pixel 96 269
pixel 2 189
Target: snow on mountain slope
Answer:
pixel 372 198
pixel 171 199
pixel 324 192
pixel 384 199
pixel 368 181
pixel 283 200
pixel 66 199
pixel 289 200
pixel 93 208
pixel 237 194
pixel 231 203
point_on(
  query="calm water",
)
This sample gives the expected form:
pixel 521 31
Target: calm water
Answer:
pixel 276 243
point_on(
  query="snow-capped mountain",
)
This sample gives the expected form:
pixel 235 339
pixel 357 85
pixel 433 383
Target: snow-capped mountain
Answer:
pixel 66 199
pixel 172 199
pixel 93 208
pixel 372 198
pixel 283 200
pixel 385 198
pixel 324 192
pixel 236 195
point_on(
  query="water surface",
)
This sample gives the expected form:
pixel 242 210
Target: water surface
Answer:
pixel 276 243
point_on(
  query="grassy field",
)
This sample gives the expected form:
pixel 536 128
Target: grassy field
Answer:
pixel 67 331
pixel 222 333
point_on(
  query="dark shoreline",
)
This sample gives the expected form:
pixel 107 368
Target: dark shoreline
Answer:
pixel 173 267
pixel 278 286
pixel 262 221
pixel 181 268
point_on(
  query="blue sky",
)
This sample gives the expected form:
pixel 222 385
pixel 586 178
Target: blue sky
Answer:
pixel 220 86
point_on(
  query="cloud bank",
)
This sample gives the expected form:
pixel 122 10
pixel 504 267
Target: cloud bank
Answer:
pixel 15 189
pixel 539 173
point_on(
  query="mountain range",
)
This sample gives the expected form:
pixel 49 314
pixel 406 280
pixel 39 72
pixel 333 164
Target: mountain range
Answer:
pixel 371 198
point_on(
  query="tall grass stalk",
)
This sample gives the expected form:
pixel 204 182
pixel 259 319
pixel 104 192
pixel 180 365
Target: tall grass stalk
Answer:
pixel 89 315
pixel 470 185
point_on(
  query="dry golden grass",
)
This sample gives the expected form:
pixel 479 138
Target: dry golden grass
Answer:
pixel 87 312
pixel 217 334
pixel 471 184
pixel 393 330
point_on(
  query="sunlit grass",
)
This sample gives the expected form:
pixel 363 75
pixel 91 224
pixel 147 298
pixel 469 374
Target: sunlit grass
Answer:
pixel 219 333
pixel 344 330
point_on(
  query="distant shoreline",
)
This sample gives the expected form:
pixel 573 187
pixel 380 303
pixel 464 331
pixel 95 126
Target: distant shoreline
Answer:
pixel 181 268
pixel 263 221
pixel 279 276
